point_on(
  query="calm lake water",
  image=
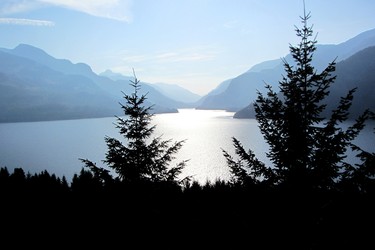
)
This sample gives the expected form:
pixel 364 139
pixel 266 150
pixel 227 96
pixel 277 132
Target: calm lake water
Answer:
pixel 56 146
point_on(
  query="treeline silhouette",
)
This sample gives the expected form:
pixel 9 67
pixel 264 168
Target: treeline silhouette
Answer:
pixel 43 204
pixel 309 199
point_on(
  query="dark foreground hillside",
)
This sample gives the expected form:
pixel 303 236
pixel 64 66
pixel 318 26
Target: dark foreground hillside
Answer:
pixel 42 208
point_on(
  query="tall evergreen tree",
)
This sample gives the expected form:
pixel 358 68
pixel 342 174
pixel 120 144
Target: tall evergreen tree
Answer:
pixel 307 150
pixel 138 157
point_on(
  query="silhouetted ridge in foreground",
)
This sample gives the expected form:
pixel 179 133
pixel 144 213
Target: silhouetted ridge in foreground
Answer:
pixel 271 217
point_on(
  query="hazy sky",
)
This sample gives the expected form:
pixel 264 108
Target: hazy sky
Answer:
pixel 194 43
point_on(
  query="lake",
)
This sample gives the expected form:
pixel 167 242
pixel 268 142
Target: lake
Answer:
pixel 56 146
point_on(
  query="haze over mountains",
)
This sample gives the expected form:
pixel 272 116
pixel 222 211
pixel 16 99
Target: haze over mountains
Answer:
pixel 35 86
pixel 173 91
pixel 241 91
pixel 357 71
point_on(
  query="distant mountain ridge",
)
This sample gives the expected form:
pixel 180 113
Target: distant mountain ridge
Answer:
pixel 35 86
pixel 242 90
pixel 30 91
pixel 357 71
pixel 173 91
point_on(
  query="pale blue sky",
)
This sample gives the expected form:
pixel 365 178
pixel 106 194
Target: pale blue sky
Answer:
pixel 194 43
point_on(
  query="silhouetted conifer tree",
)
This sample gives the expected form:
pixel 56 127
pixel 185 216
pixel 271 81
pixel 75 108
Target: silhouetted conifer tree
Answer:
pixel 86 182
pixel 4 180
pixel 360 176
pixel 18 180
pixel 139 158
pixel 307 150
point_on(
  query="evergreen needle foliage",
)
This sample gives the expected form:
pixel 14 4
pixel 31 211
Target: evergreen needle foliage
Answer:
pixel 141 158
pixel 307 150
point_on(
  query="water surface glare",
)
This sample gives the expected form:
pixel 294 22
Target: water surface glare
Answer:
pixel 56 146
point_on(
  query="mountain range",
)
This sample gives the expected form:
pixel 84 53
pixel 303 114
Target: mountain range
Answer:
pixel 35 86
pixel 239 93
pixel 173 91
